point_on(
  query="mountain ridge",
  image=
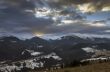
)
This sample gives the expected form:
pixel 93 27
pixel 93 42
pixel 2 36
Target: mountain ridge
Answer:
pixel 68 48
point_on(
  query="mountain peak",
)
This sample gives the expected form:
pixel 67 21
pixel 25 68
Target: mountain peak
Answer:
pixel 9 38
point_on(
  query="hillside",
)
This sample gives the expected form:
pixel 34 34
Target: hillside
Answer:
pixel 37 53
pixel 99 67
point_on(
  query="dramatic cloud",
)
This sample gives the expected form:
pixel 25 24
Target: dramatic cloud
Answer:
pixel 27 18
pixel 90 5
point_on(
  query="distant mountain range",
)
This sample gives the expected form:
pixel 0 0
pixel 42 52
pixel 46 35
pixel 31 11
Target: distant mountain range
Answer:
pixel 12 47
pixel 65 49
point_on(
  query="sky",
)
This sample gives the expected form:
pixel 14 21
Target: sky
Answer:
pixel 54 18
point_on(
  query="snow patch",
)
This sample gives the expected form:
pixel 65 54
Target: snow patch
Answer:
pixel 95 59
pixel 89 50
pixel 35 53
pixel 32 52
pixel 53 55
pixel 31 64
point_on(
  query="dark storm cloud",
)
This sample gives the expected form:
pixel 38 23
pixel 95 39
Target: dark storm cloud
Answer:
pixel 19 5
pixel 58 16
pixel 15 20
pixel 89 5
pixel 83 1
pixel 79 26
pixel 92 4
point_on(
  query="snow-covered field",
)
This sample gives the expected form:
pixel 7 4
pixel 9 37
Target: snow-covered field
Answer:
pixel 29 63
